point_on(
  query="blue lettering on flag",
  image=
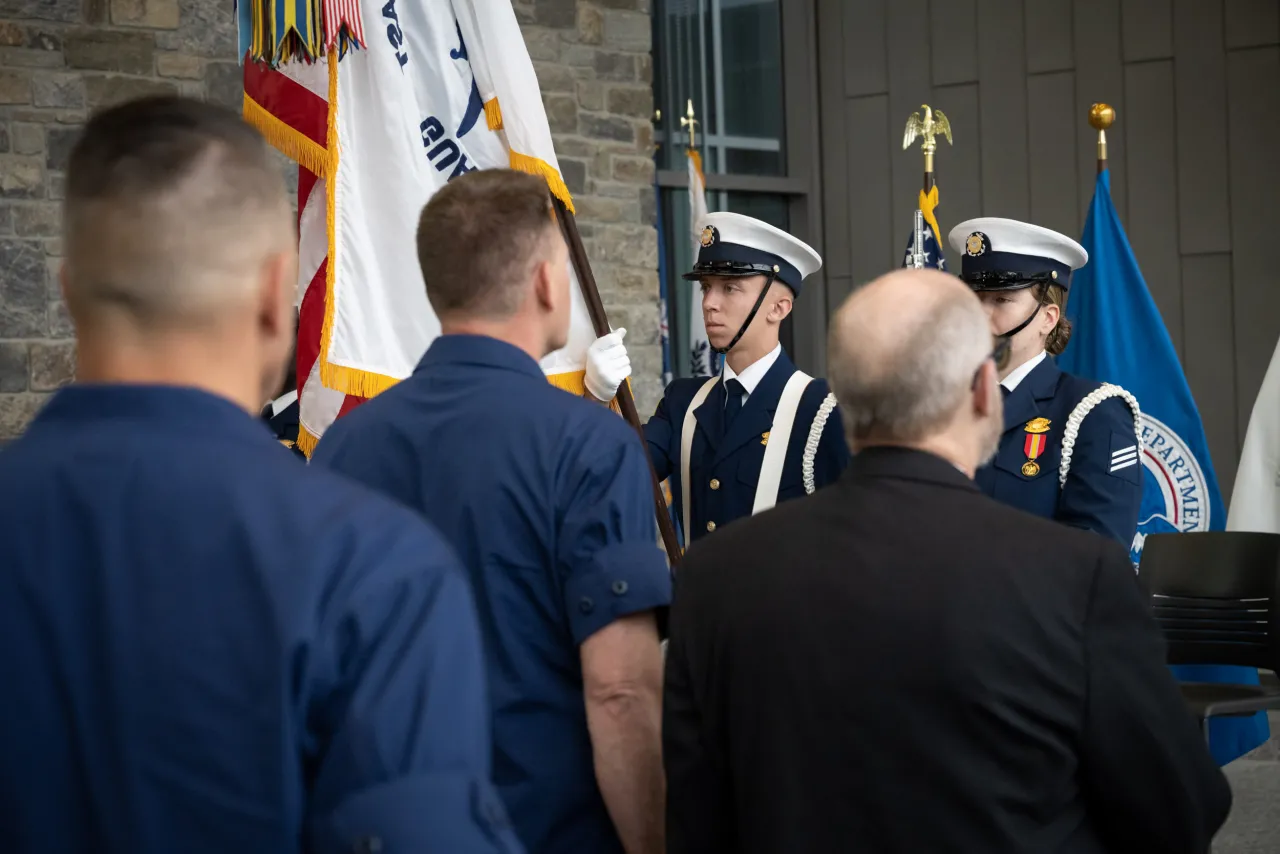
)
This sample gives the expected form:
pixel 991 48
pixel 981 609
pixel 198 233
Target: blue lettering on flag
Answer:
pixel 475 106
pixel 395 35
pixel 442 151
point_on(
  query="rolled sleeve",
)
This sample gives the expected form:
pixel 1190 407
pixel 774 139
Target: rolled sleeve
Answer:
pixel 609 558
pixel 621 579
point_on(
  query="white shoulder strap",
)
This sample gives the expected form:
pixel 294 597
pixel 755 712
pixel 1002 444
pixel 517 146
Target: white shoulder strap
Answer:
pixel 1083 408
pixel 686 451
pixel 815 438
pixel 775 451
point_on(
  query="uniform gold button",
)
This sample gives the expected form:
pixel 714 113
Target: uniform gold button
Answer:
pixel 711 526
pixel 715 484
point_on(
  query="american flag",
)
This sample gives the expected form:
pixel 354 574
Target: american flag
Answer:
pixel 931 250
pixel 931 246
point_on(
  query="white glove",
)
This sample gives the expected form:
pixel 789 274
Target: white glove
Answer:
pixel 607 365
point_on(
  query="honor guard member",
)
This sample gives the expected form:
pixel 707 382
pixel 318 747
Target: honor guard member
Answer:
pixel 761 432
pixel 208 647
pixel 1070 447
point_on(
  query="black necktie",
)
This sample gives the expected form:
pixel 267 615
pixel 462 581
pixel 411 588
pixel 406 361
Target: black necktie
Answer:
pixel 733 401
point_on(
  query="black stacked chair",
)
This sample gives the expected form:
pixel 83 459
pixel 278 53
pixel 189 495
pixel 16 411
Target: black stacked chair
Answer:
pixel 1216 595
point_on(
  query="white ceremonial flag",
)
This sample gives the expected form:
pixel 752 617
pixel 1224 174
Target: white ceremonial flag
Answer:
pixel 1255 501
pixel 444 87
pixel 700 355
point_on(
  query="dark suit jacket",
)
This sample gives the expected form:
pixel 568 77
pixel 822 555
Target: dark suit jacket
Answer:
pixel 725 466
pixel 901 664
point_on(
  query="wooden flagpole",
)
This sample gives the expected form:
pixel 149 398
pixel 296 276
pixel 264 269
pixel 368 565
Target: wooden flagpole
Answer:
pixel 626 403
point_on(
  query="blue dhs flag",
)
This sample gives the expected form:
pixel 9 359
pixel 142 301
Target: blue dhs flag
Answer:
pixel 926 224
pixel 1119 337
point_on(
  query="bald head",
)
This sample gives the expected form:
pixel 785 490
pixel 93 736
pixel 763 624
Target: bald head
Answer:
pixel 173 207
pixel 903 352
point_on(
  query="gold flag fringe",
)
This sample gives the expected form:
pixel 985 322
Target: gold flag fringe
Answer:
pixel 306 441
pixel 493 114
pixel 535 166
pixel 298 147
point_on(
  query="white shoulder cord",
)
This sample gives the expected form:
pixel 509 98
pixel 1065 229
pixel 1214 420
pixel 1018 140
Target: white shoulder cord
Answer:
pixel 1083 408
pixel 811 444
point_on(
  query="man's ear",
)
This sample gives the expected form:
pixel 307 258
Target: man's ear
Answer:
pixel 544 286
pixel 986 389
pixel 781 307
pixel 278 284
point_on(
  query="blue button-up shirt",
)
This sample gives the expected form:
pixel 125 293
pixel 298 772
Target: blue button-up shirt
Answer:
pixel 548 500
pixel 208 647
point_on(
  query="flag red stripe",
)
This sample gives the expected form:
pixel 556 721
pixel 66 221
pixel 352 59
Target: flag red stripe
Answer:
pixel 310 323
pixel 294 104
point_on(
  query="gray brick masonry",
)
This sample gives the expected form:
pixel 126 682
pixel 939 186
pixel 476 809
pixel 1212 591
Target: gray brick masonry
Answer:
pixel 61 59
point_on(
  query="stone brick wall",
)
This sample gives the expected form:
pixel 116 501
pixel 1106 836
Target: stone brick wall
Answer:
pixel 62 59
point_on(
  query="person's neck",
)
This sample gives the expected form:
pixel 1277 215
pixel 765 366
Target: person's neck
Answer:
pixel 946 446
pixel 1026 356
pixel 219 369
pixel 745 354
pixel 514 331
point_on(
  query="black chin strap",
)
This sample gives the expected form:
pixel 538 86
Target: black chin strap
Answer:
pixel 752 316
pixel 1024 324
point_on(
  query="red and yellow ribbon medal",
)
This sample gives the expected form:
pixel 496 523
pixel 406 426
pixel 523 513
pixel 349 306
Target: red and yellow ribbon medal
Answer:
pixel 1034 446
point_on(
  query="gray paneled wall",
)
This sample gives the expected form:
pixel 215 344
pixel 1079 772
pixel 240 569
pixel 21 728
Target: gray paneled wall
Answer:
pixel 1196 87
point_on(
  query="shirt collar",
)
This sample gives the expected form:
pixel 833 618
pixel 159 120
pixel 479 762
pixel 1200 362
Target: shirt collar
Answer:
pixel 754 373
pixel 189 410
pixel 283 402
pixel 479 350
pixel 1020 373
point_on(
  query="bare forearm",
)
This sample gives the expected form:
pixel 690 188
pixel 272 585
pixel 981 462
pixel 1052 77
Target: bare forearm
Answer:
pixel 626 735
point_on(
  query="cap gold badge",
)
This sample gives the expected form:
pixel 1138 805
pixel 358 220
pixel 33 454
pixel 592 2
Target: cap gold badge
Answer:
pixel 975 244
pixel 708 235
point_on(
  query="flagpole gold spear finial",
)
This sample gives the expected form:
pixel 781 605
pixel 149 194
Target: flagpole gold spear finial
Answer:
pixel 688 121
pixel 1101 117
pixel 934 122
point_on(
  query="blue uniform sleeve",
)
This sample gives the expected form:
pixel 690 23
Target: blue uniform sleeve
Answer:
pixel 608 552
pixel 658 434
pixel 1103 492
pixel 397 717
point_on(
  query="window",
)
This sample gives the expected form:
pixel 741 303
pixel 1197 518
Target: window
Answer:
pixel 727 58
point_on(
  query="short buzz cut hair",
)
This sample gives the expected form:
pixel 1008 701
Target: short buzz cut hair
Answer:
pixel 479 238
pixel 172 205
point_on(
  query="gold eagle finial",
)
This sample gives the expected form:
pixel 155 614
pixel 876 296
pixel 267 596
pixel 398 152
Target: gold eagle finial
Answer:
pixel 934 123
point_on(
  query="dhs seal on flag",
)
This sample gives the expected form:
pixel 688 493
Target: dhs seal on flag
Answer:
pixel 1175 491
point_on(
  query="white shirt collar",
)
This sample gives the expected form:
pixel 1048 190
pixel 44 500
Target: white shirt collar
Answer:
pixel 754 373
pixel 283 402
pixel 1018 374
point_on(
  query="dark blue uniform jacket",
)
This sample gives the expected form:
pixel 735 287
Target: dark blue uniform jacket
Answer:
pixel 1100 495
pixel 211 647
